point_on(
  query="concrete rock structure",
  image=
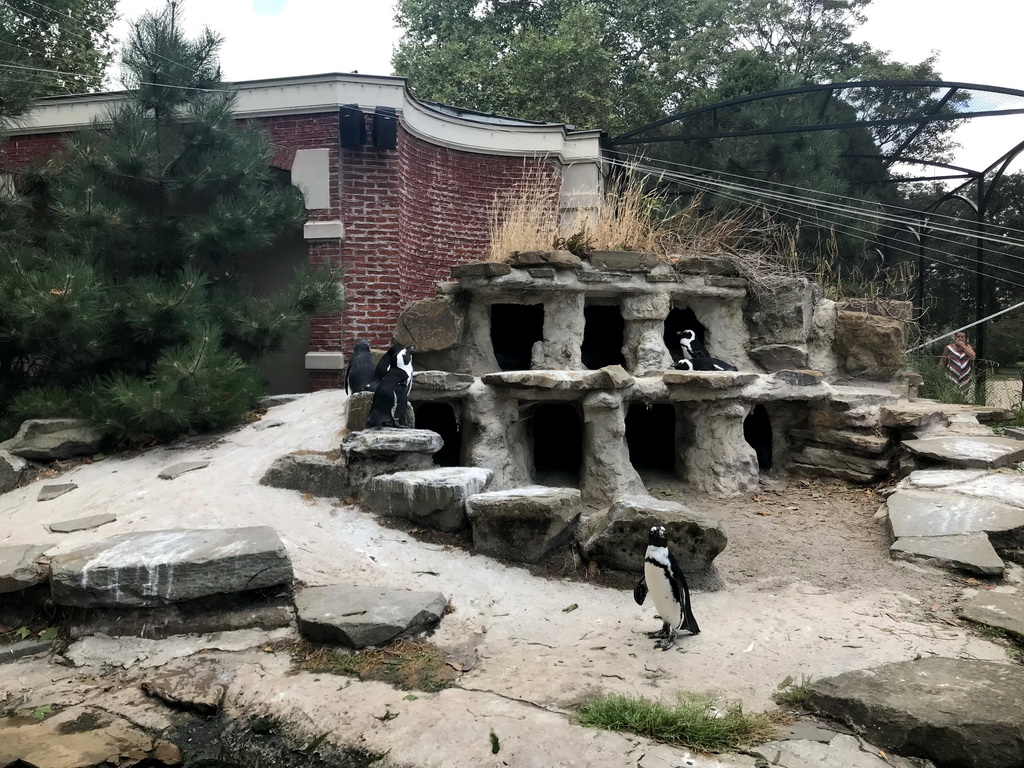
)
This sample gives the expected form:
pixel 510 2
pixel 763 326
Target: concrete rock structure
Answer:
pixel 556 370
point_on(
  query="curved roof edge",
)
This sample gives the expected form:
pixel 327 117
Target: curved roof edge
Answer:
pixel 450 127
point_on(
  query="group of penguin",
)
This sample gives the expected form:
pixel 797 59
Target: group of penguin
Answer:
pixel 390 380
pixel 696 356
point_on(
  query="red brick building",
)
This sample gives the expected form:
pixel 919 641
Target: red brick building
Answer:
pixel 397 191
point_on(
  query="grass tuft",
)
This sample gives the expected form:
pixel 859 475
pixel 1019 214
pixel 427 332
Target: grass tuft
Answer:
pixel 406 664
pixel 694 721
pixel 789 691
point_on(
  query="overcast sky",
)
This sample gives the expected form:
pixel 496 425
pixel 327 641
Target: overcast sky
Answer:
pixel 977 41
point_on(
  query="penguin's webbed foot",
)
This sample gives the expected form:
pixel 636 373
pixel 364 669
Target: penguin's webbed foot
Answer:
pixel 663 632
pixel 664 645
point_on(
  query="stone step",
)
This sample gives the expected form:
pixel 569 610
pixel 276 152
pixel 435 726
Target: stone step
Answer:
pixel 966 552
pixel 435 498
pixel 523 524
pixel 357 617
pixel 155 568
pixel 969 451
pixel 997 609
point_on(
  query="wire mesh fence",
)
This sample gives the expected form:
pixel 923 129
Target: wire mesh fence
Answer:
pixel 1004 387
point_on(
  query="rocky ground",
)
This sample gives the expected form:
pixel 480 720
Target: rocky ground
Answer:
pixel 804 588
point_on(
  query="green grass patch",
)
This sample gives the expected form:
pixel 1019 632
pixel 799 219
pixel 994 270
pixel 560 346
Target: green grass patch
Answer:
pixel 693 721
pixel 791 692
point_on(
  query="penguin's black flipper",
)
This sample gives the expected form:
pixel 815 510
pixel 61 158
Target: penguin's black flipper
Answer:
pixel 682 593
pixel 640 591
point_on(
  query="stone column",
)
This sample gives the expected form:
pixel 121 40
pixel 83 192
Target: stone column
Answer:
pixel 563 333
pixel 494 437
pixel 643 340
pixel 607 471
pixel 719 461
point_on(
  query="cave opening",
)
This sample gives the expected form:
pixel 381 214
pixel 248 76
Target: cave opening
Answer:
pixel 514 330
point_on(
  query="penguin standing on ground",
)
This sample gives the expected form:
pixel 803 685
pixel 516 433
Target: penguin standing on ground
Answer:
pixel 665 581
pixel 359 373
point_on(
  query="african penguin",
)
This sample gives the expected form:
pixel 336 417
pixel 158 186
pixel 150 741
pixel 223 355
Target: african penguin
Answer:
pixel 664 580
pixel 359 373
pixel 692 346
pixel 387 409
pixel 703 364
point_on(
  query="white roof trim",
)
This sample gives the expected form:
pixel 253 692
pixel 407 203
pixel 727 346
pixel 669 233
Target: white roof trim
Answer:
pixel 315 94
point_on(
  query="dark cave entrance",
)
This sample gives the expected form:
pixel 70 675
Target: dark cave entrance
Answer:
pixel 603 334
pixel 441 418
pixel 514 329
pixel 680 320
pixel 651 438
pixel 757 431
pixel 555 434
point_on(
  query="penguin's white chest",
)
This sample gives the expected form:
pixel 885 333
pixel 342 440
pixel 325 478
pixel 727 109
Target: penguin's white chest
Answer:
pixel 659 586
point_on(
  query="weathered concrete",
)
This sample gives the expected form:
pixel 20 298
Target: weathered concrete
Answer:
pixel 358 617
pixel 778 357
pixel 158 567
pixel 606 469
pixel 870 346
pixel 799 378
pixel 997 609
pixel 431 497
pixel 441 381
pixel 609 377
pixel 18 567
pixel 390 441
pixel 987 452
pixel 523 524
pixel 82 523
pixel 960 713
pixel 967 552
pixel 430 324
pixel 840 751
pixel 22 649
pixel 52 439
pixel 708 379
pixel 616 537
pixel 558 259
pixel 625 261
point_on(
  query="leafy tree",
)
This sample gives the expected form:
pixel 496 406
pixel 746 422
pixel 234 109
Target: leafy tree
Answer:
pixel 60 46
pixel 130 301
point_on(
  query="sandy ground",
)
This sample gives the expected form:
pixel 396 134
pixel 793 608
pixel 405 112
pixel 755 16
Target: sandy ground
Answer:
pixel 804 587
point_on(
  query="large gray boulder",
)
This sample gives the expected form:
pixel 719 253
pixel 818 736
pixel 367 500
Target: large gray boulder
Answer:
pixel 18 567
pixel 372 452
pixel 52 439
pixel 435 498
pixel 959 713
pixel 870 346
pixel 11 469
pixel 314 473
pixel 617 536
pixel 358 617
pixel 159 567
pixel 432 324
pixel 523 524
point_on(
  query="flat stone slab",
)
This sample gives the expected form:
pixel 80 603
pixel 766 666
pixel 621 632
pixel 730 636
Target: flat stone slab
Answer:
pixel 799 378
pixel 481 269
pixel 23 649
pixel 390 441
pixel 523 524
pixel 997 609
pixel 56 490
pixel 159 567
pixel 179 469
pixel 82 523
pixel 559 259
pixel 904 414
pixel 955 712
pixel 193 683
pixel 435 498
pixel 940 478
pixel 966 552
pixel 708 379
pixel 18 567
pixel 839 751
pixel 313 473
pixel 609 377
pixel 936 513
pixel 616 537
pixel 969 451
pixel 358 617
pixel 441 381
pixel 1016 433
pixel 625 261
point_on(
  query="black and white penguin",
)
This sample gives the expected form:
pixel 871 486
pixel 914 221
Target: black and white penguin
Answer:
pixel 387 409
pixel 359 373
pixel 691 345
pixel 664 580
pixel 703 364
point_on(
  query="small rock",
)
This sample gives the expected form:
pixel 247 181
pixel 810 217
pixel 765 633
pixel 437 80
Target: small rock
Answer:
pixel 176 470
pixel 82 523
pixel 358 617
pixel 11 469
pixel 263 424
pixel 18 567
pixel 195 683
pixel 52 439
pixel 51 492
pixel 997 609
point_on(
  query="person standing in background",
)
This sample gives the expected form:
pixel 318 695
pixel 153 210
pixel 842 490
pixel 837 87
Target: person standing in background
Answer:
pixel 958 361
